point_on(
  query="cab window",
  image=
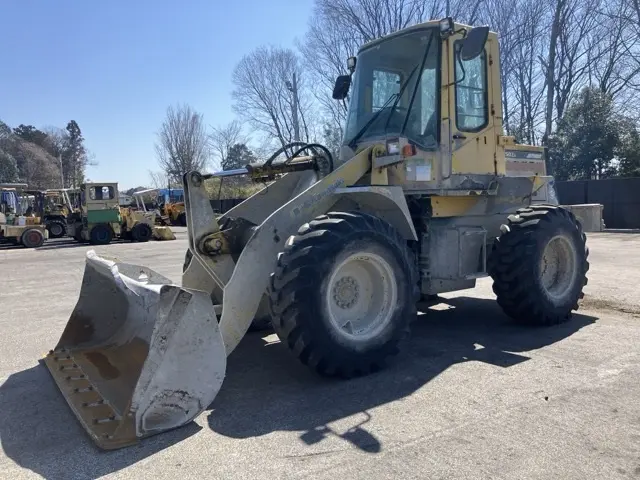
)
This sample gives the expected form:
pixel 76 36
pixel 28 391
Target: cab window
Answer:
pixel 101 193
pixel 385 84
pixel 472 113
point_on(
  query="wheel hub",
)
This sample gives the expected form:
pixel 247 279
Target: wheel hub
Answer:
pixel 361 296
pixel 558 267
pixel 346 292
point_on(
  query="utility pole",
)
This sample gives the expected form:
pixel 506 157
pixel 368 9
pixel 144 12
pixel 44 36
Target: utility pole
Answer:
pixel 293 88
pixel 61 172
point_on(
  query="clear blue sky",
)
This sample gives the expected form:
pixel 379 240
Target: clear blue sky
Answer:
pixel 115 66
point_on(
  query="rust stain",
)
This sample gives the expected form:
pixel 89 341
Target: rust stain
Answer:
pixel 80 329
pixel 107 370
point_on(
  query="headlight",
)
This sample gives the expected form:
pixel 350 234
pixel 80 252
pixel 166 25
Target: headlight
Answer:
pixel 393 147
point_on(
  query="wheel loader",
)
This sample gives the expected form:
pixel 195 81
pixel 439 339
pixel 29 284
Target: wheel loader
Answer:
pixel 338 251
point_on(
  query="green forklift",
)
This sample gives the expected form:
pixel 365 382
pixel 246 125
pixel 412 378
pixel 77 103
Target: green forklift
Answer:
pixel 100 218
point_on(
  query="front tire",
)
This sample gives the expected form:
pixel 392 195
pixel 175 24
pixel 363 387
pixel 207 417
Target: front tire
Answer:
pixel 344 293
pixel 56 228
pixel 539 265
pixel 141 232
pixel 101 235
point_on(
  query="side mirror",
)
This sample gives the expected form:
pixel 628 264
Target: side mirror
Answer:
pixel 341 88
pixel 473 43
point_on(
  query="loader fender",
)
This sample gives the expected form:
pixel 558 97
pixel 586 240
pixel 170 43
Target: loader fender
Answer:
pixel 386 203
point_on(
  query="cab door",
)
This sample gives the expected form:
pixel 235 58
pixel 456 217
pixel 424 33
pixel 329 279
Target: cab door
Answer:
pixel 471 111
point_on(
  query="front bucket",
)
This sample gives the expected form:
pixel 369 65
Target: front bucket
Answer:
pixel 139 355
pixel 163 233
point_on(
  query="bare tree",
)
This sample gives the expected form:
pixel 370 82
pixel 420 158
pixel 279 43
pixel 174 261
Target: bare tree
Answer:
pixel 579 19
pixel 223 138
pixel 526 75
pixel 158 179
pixel 338 28
pixel 182 142
pixel 614 48
pixel 265 97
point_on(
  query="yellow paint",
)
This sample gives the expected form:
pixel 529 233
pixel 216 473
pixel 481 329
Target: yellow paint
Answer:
pixel 163 233
pixel 476 152
pixel 452 206
pixel 379 176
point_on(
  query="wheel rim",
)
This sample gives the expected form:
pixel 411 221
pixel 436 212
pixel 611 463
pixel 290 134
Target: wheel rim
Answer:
pixel 361 296
pixel 33 238
pixel 558 267
pixel 55 229
pixel 102 235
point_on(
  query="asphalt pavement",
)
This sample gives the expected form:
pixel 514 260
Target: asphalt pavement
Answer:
pixel 471 396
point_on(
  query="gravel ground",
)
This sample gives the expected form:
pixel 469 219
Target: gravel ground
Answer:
pixel 471 397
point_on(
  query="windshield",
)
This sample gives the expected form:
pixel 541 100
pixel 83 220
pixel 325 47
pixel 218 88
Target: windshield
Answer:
pixel 381 71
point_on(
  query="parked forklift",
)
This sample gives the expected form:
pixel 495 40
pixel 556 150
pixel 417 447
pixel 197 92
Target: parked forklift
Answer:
pixel 21 217
pixel 54 208
pixel 101 219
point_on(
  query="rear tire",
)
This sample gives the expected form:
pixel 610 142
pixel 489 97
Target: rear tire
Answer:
pixel 101 235
pixel 539 265
pixel 344 293
pixel 32 238
pixel 56 228
pixel 141 232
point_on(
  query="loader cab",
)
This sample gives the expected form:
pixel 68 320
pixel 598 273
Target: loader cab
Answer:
pixel 434 87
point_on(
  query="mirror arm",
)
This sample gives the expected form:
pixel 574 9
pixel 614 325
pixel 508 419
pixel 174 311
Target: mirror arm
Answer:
pixel 464 72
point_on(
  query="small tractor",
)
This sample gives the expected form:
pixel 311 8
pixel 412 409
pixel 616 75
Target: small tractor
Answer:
pixel 175 212
pixel 338 252
pixel 101 219
pixel 21 217
pixel 166 213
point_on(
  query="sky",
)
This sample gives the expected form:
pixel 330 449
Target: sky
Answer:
pixel 114 67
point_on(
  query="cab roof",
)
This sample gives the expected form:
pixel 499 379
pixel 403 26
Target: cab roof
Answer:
pixel 416 27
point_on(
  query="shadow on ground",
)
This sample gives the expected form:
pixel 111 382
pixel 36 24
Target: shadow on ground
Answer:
pixel 271 392
pixel 62 244
pixel 38 431
pixel 266 390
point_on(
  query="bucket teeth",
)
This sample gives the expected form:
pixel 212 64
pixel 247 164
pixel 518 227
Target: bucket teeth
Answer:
pixel 138 356
pixel 98 421
pixel 83 390
pixel 61 359
pixel 69 367
pixel 85 399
